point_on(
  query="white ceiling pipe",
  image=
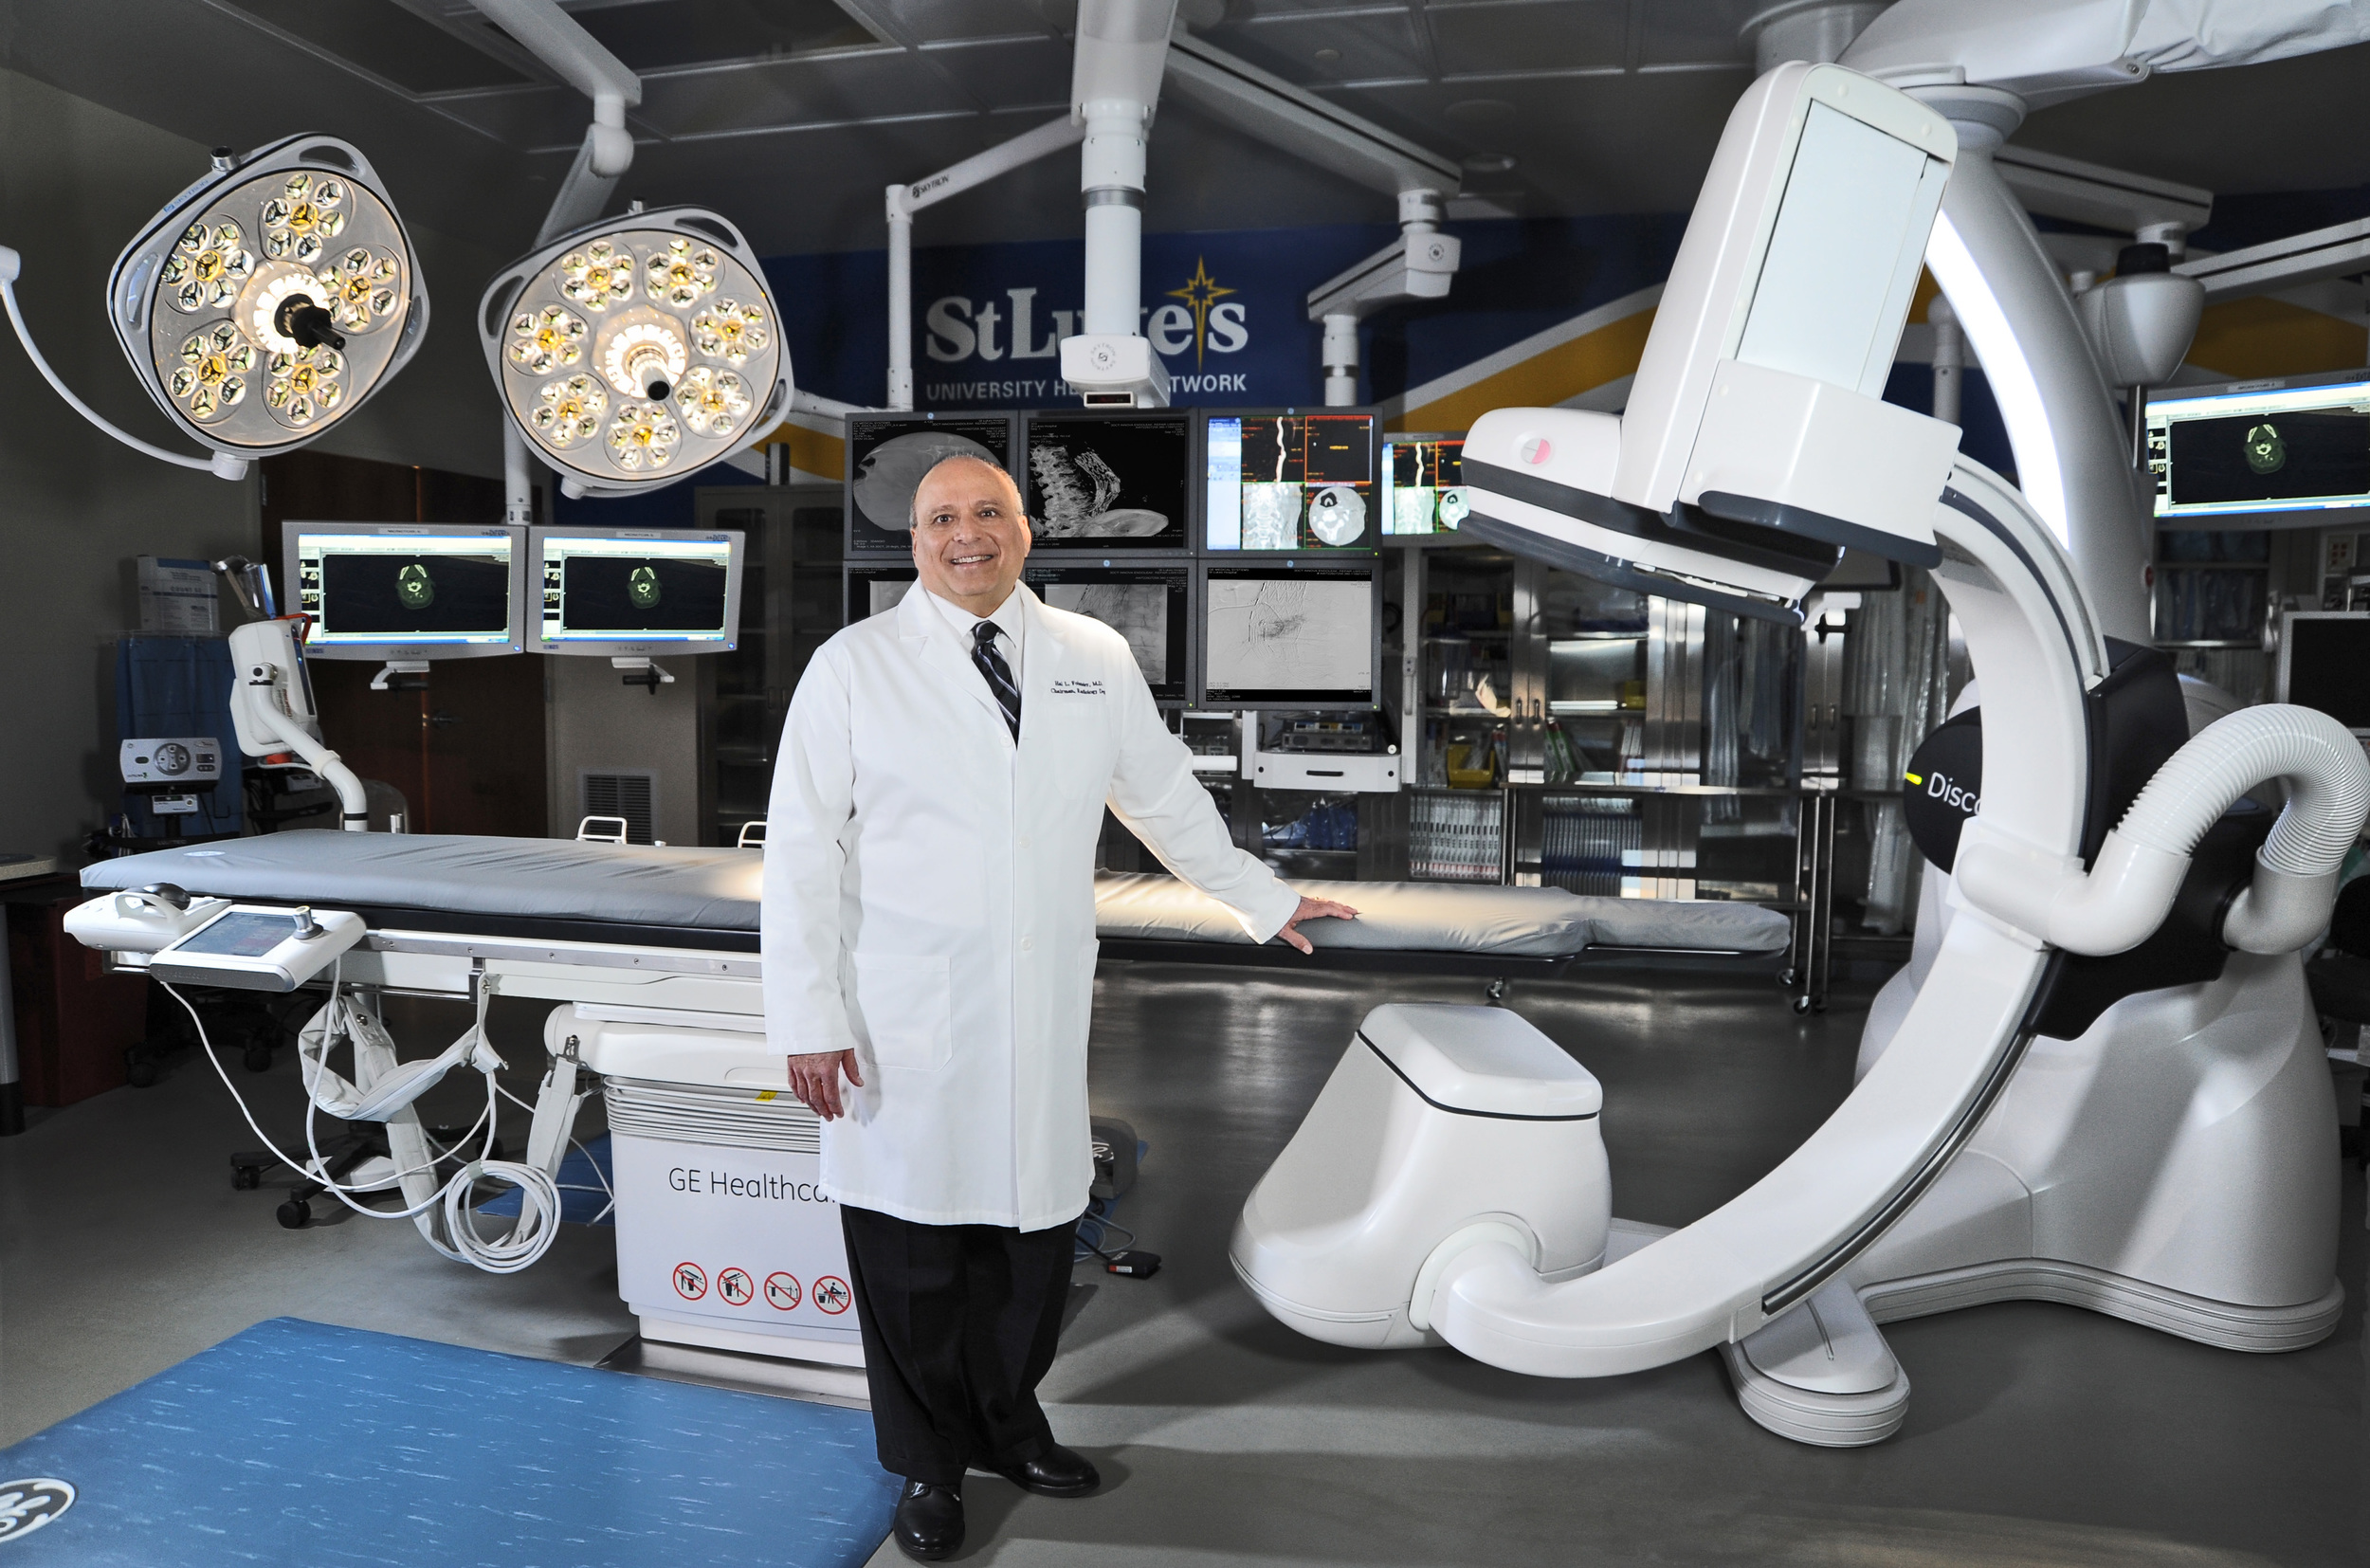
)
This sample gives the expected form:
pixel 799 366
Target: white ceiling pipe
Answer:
pixel 1815 30
pixel 1115 85
pixel 579 59
pixel 904 201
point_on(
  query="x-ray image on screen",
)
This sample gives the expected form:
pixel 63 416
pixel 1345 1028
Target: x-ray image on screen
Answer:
pixel 888 459
pixel 1291 480
pixel 1143 603
pixel 384 594
pixel 1108 483
pixel 1289 634
pixel 1138 611
pixel 886 594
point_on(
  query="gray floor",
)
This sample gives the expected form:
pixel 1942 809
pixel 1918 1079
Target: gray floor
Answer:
pixel 2038 1435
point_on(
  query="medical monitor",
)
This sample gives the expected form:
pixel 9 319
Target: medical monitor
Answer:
pixel 1289 479
pixel 887 454
pixel 1108 482
pixel 1423 485
pixel 1302 633
pixel 1149 603
pixel 408 591
pixel 2262 453
pixel 875 588
pixel 2322 655
pixel 626 592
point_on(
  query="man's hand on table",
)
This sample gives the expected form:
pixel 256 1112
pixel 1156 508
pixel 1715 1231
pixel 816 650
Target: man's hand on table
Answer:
pixel 1310 909
pixel 814 1079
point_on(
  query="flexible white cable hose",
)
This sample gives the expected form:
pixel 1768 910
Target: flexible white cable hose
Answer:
pixel 2122 899
pixel 527 1240
pixel 2328 786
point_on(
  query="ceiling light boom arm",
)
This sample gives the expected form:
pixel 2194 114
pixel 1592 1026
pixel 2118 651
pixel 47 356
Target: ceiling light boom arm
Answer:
pixel 221 465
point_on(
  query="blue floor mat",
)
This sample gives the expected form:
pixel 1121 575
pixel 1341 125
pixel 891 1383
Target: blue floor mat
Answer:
pixel 586 1179
pixel 300 1445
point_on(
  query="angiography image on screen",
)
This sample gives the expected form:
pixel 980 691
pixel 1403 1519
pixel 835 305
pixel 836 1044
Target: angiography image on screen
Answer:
pixel 371 592
pixel 1108 483
pixel 1290 634
pixel 1138 611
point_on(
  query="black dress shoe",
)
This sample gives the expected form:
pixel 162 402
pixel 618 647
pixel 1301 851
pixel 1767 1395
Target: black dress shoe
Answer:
pixel 1056 1472
pixel 929 1521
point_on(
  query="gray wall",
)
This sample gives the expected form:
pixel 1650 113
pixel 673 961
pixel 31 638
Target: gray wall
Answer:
pixel 76 182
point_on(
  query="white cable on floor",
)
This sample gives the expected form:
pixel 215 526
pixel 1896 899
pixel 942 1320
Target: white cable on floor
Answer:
pixel 528 1239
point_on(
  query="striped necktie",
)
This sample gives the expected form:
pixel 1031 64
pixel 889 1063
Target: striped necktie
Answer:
pixel 998 673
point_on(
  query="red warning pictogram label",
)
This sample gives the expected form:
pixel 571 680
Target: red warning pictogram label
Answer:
pixel 782 1292
pixel 833 1294
pixel 691 1281
pixel 736 1287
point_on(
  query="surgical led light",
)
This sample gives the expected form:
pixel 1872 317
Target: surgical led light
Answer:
pixel 264 305
pixel 637 350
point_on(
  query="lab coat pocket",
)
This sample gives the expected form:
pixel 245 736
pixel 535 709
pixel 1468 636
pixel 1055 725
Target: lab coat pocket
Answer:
pixel 908 1009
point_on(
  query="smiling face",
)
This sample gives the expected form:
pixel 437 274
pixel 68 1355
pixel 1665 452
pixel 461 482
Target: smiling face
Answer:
pixel 970 534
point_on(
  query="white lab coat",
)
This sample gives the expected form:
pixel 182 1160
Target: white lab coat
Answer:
pixel 929 901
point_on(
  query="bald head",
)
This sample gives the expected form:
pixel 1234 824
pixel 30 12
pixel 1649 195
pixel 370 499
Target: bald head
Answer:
pixel 970 532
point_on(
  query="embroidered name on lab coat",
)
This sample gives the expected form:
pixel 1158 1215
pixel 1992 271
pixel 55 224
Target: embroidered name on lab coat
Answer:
pixel 1077 689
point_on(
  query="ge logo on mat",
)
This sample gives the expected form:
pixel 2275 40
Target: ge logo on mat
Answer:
pixel 27 1506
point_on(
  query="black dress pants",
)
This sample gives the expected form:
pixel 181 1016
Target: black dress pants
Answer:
pixel 960 1324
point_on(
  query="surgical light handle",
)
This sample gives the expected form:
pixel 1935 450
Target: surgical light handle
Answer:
pixel 2125 896
pixel 221 465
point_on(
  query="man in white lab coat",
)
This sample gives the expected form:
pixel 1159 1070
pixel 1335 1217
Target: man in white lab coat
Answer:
pixel 929 958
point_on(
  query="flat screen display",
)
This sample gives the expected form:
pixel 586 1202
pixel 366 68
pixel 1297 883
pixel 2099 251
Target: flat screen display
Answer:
pixel 2325 660
pixel 240 934
pixel 418 586
pixel 1109 482
pixel 887 458
pixel 650 589
pixel 1288 480
pixel 1423 484
pixel 2264 450
pixel 1145 604
pixel 874 590
pixel 1288 635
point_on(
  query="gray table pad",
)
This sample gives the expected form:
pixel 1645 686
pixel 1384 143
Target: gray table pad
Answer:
pixel 717 890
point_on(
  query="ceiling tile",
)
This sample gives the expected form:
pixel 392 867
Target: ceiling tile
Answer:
pixel 675 32
pixel 1491 37
pixel 817 89
pixel 1321 47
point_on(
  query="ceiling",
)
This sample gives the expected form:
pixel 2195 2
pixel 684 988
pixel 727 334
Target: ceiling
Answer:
pixel 791 115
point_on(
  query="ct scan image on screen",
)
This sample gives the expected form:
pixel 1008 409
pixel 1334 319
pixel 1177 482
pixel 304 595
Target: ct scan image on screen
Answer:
pixel 1144 604
pixel 1423 486
pixel 366 588
pixel 2299 457
pixel 2269 448
pixel 1290 481
pixel 887 459
pixel 1108 483
pixel 604 589
pixel 1296 635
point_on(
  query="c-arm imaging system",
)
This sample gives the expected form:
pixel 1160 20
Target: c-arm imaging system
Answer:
pixel 2100 1080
